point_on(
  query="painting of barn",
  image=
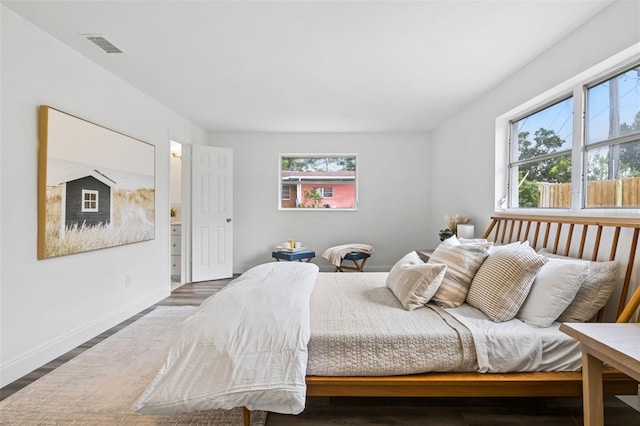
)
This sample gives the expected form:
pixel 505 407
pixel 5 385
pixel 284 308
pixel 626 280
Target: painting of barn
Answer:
pixel 87 201
pixel 96 187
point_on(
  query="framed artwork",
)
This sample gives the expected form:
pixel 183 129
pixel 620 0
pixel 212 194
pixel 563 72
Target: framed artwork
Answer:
pixel 96 187
pixel 315 182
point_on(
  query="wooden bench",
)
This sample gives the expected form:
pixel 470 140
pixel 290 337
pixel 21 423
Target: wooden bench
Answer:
pixel 355 257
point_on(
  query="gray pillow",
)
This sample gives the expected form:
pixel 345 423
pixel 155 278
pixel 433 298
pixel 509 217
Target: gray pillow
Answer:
pixel 594 292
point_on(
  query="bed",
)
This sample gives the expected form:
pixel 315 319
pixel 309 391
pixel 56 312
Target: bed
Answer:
pixel 551 359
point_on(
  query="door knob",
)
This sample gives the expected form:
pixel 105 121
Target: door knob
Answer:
pixel 228 220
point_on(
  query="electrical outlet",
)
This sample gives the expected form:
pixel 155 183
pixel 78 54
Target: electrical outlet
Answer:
pixel 128 282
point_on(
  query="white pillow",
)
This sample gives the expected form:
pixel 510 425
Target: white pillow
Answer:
pixel 594 291
pixel 414 282
pixel 516 245
pixel 463 261
pixel 472 240
pixel 552 291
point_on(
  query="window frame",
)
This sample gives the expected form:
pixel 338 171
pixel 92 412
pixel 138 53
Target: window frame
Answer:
pixel 512 190
pixel 576 87
pixel 323 189
pixel 86 192
pixel 319 155
pixel 618 140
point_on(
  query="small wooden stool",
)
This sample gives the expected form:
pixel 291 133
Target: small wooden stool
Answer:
pixel 354 256
pixel 300 255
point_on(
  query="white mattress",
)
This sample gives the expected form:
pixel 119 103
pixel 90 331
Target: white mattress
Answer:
pixel 358 328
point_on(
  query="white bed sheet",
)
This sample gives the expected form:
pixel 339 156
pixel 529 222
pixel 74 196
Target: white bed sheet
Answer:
pixel 560 352
pixel 502 347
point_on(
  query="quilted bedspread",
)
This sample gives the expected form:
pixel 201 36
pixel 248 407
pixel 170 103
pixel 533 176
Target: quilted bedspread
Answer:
pixel 358 328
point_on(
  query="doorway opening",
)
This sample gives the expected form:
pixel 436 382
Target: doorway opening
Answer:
pixel 176 213
pixel 208 253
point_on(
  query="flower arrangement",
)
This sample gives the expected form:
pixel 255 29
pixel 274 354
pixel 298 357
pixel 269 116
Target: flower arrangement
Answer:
pixel 452 223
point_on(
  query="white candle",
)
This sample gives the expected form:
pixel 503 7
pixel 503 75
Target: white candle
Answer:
pixel 465 231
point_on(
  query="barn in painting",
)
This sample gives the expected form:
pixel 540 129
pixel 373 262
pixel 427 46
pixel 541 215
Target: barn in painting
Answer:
pixel 87 201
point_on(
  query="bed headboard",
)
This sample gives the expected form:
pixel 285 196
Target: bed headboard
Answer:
pixel 584 238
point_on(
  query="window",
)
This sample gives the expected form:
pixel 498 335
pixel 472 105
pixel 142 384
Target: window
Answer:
pixel 325 192
pixel 318 181
pixel 541 157
pixel 613 141
pixel 286 192
pixel 89 200
pixel 556 160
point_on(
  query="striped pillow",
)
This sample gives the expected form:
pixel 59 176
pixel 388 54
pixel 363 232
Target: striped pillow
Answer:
pixel 414 282
pixel 502 283
pixel 462 260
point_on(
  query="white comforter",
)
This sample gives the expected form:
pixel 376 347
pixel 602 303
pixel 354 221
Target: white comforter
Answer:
pixel 246 346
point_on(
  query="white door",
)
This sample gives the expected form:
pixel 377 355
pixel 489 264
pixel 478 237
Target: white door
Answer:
pixel 211 213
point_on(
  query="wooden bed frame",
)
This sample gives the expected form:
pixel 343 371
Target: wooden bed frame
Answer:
pixel 576 236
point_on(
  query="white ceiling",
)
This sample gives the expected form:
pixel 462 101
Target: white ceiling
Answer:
pixel 312 66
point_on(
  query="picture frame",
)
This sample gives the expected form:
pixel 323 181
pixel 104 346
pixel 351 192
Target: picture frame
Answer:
pixel 96 186
pixel 318 182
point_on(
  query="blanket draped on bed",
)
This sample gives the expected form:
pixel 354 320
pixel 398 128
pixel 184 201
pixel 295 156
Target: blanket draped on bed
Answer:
pixel 246 346
pixel 501 347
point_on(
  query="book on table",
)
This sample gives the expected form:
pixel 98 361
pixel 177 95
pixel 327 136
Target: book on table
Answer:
pixel 290 250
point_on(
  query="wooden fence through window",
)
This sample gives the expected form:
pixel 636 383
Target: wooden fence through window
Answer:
pixel 600 193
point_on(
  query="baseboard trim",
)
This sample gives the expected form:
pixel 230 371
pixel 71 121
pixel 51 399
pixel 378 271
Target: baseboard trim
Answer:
pixel 35 358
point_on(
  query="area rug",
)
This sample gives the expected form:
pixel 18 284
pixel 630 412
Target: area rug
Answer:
pixel 100 386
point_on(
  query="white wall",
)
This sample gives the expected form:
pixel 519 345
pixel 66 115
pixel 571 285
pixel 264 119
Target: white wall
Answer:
pixel 464 145
pixel 393 172
pixel 50 306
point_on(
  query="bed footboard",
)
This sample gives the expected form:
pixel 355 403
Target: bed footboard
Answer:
pixel 543 384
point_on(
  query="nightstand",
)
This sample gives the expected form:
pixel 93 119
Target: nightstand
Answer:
pixel 300 255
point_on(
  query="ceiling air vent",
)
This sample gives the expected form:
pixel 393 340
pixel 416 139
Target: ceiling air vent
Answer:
pixel 102 43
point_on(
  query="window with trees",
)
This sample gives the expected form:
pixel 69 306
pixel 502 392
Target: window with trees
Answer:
pixel 549 159
pixel 613 141
pixel 318 181
pixel 541 155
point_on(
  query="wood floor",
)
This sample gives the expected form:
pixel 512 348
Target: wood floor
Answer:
pixel 188 294
pixel 384 411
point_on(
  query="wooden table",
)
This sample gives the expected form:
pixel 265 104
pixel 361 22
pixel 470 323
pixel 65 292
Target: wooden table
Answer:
pixel 617 344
